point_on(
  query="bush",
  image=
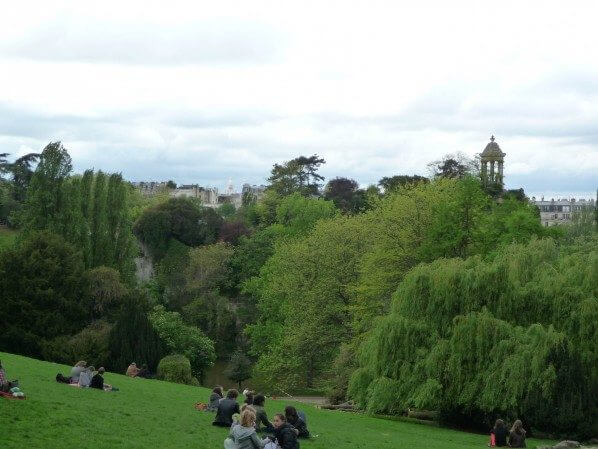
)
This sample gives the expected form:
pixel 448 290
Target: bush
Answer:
pixel 91 345
pixel 176 368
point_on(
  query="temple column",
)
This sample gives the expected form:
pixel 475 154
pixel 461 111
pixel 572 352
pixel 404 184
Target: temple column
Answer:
pixel 492 171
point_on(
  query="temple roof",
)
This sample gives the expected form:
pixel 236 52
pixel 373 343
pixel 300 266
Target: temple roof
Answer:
pixel 492 150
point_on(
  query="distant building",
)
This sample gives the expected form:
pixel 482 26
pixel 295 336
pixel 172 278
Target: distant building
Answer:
pixel 561 211
pixel 207 195
pixel 149 188
pixel 256 191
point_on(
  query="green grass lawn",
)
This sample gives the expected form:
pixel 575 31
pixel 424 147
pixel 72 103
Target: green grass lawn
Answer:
pixel 150 414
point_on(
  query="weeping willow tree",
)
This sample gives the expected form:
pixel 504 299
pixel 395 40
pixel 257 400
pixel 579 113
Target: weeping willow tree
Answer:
pixel 514 337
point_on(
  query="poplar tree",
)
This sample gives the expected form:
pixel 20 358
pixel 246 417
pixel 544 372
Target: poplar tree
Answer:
pixel 98 222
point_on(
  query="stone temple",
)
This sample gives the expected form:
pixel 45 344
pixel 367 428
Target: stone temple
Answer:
pixel 492 160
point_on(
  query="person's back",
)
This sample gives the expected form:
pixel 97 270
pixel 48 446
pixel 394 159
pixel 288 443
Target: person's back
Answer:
pixel 246 437
pixel 517 435
pixel 97 381
pixel 76 372
pixel 286 437
pixel 226 409
pixel 295 420
pixel 85 378
pixel 500 436
pixel 261 418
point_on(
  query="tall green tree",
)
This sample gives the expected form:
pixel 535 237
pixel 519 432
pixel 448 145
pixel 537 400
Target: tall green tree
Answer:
pixel 297 175
pixel 45 195
pixel 99 222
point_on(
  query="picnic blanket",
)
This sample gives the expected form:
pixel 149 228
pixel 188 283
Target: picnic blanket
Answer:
pixel 10 396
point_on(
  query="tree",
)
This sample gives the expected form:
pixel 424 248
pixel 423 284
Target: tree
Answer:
pixel 171 184
pixel 208 268
pixel 393 183
pixel 21 175
pixel 181 338
pixel 133 337
pixel 527 306
pixel 227 210
pixel 40 293
pixel 297 175
pixel 238 368
pixel 345 194
pixel 454 166
pixel 105 292
pixel 45 196
pixel 232 231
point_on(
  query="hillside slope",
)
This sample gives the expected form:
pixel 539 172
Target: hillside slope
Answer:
pixel 153 414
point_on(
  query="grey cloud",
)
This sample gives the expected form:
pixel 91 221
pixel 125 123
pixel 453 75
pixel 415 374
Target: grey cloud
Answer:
pixel 149 44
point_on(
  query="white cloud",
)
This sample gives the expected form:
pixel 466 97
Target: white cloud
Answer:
pixel 204 91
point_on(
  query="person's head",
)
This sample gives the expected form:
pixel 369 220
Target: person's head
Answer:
pixel 91 369
pixel 81 363
pixel 247 407
pixel 259 400
pixel 249 398
pixel 133 364
pixel 290 413
pixel 518 427
pixel 232 394
pixel 279 420
pixel 101 370
pixel 499 424
pixel 248 417
pixel 218 390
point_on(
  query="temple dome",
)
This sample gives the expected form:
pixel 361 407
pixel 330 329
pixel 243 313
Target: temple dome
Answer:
pixel 492 150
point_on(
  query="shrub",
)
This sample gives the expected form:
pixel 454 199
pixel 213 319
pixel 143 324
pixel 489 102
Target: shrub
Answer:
pixel 176 368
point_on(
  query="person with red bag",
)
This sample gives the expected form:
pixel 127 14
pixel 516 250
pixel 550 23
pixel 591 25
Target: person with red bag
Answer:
pixel 498 434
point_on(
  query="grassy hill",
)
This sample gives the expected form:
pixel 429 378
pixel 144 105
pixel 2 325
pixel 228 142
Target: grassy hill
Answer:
pixel 153 414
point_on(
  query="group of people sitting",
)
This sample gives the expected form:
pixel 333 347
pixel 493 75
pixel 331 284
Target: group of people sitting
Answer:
pixel 134 371
pixel 83 376
pixel 245 422
pixel 500 436
pixel 9 388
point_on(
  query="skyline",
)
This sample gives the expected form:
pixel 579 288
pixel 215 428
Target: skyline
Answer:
pixel 203 93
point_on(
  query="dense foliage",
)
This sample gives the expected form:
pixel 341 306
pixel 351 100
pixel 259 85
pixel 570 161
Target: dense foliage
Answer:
pixel 514 336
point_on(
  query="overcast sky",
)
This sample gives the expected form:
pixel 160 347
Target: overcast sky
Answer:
pixel 201 92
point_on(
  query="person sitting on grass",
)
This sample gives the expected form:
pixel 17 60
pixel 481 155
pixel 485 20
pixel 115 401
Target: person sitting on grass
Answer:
pixel 261 417
pixel 97 381
pixel 144 372
pixel 215 398
pixel 226 409
pixel 132 370
pixel 237 416
pixel 243 435
pixel 517 435
pixel 500 432
pixel 77 370
pixel 296 421
pixel 249 397
pixel 85 377
pixel 284 434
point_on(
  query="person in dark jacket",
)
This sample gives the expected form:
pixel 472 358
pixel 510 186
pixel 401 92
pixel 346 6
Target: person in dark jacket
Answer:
pixel 261 417
pixel 294 420
pixel 500 433
pixel 517 435
pixel 226 409
pixel 215 398
pixel 284 433
pixel 97 381
pixel 249 397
